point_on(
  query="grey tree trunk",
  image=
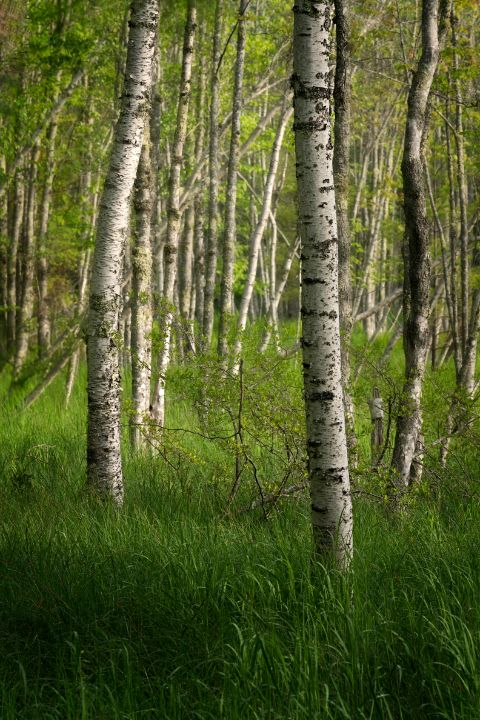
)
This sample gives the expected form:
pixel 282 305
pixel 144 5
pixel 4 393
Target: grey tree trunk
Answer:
pixel 173 215
pixel 226 289
pixel 25 309
pixel 18 196
pixel 462 190
pixel 456 335
pixel 141 297
pixel 197 299
pixel 185 264
pixel 341 169
pixel 416 250
pixel 104 466
pixel 326 436
pixel 42 262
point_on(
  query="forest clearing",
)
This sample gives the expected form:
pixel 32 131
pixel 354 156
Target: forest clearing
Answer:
pixel 239 314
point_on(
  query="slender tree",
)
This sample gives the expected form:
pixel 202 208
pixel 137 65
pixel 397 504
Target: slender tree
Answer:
pixel 326 436
pixel 416 248
pixel 44 329
pixel 341 169
pixel 141 297
pixel 25 290
pixel 226 290
pixel 103 455
pixel 174 215
pixel 212 235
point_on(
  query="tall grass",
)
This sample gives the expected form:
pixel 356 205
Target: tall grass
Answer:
pixel 171 609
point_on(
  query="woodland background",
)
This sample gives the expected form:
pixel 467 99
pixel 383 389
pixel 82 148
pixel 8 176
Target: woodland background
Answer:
pixel 199 599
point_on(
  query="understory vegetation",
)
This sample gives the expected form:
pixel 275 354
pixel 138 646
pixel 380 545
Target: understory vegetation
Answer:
pixel 185 605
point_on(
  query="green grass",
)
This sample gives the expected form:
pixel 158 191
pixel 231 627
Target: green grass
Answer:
pixel 170 609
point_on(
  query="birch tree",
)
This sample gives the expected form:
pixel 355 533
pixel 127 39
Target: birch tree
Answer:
pixel 25 291
pixel 226 290
pixel 44 330
pixel 326 436
pixel 212 235
pixel 104 464
pixel 341 169
pixel 173 214
pixel 142 296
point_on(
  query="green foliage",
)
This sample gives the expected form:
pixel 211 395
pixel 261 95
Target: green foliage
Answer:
pixel 172 609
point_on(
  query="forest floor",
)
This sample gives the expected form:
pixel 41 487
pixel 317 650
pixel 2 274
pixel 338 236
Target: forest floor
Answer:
pixel 172 608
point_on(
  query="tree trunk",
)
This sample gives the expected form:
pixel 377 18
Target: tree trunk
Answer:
pixel 326 436
pixel 185 264
pixel 4 227
pixel 212 236
pixel 456 336
pixel 462 190
pixel 104 464
pixel 341 168
pixel 226 290
pixel 141 297
pixel 417 261
pixel 42 262
pixel 173 214
pixel 18 197
pixel 25 309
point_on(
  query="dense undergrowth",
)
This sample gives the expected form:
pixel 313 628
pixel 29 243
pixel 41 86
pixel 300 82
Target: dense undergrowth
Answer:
pixel 173 608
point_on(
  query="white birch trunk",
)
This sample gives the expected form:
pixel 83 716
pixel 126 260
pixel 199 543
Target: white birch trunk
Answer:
pixel 25 309
pixel 174 216
pixel 104 464
pixel 142 298
pixel 42 263
pixel 226 290
pixel 12 279
pixel 326 436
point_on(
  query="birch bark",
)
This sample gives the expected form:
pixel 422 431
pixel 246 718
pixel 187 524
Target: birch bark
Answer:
pixel 142 296
pixel 462 188
pixel 25 309
pixel 12 280
pixel 173 214
pixel 42 263
pixel 326 436
pixel 341 168
pixel 104 465
pixel 4 204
